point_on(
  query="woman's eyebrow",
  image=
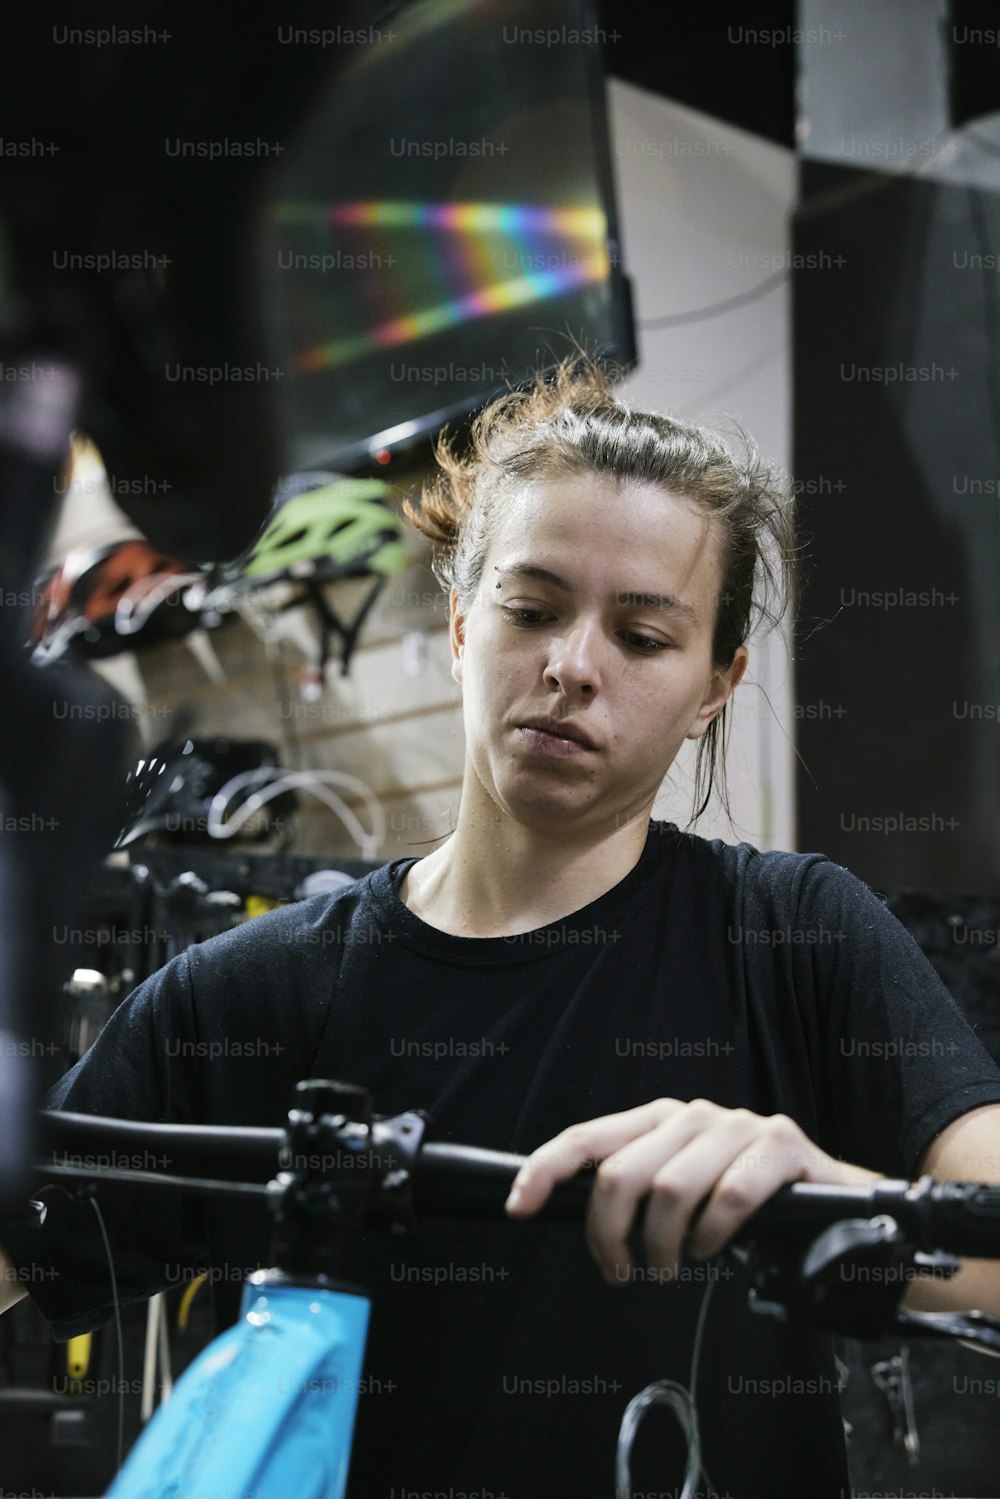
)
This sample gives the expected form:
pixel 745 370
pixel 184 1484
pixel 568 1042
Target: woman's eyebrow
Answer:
pixel 665 602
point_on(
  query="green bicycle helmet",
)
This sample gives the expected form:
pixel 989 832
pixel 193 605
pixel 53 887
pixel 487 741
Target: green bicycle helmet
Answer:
pixel 323 528
pixel 341 529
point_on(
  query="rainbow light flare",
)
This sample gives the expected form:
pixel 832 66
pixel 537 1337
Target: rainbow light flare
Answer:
pixel 585 223
pixel 585 228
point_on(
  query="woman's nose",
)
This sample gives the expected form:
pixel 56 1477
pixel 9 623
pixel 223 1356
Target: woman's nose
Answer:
pixel 574 660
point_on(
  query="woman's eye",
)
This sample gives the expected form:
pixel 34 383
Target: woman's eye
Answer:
pixel 646 644
pixel 518 614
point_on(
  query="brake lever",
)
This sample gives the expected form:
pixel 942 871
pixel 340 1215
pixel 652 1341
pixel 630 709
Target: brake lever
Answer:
pixel 848 1279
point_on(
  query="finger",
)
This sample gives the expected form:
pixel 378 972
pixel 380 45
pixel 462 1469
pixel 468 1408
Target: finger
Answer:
pixel 624 1179
pixel 694 1152
pixel 675 1168
pixel 779 1152
pixel 585 1144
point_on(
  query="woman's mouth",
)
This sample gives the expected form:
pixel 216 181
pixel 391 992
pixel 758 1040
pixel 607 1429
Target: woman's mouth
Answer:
pixel 548 743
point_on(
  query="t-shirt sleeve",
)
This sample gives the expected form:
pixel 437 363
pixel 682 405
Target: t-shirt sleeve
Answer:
pixel 899 1062
pixel 133 1071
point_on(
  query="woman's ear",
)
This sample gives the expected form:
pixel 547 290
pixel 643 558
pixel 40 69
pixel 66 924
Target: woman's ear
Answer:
pixel 723 685
pixel 456 630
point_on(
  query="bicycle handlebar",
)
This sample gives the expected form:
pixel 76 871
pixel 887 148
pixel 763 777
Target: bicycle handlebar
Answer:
pixel 464 1181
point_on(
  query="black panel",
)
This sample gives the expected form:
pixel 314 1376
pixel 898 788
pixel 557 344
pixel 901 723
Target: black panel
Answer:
pixel 974 59
pixel 731 60
pixel 898 461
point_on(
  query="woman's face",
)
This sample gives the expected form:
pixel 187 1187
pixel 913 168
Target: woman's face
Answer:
pixel 596 607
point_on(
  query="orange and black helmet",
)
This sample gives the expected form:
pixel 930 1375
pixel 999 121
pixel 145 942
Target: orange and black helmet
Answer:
pixel 116 597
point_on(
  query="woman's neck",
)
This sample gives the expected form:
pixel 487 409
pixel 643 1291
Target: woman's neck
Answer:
pixel 503 878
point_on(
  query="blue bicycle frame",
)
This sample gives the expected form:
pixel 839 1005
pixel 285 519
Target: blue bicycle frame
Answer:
pixel 266 1409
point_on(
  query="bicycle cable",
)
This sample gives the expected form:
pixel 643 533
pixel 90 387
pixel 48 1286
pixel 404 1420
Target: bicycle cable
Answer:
pixel 273 780
pixel 118 1332
pixel 682 1400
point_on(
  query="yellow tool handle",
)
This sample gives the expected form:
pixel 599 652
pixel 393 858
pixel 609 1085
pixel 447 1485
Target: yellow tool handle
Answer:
pixel 78 1355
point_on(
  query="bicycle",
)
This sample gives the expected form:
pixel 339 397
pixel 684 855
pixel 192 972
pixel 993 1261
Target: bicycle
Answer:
pixel 225 1431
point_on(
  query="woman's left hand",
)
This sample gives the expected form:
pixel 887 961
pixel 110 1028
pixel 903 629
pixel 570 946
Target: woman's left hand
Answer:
pixel 678 1155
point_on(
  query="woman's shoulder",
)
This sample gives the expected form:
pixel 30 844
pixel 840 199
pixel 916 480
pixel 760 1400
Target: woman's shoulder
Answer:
pixel 776 876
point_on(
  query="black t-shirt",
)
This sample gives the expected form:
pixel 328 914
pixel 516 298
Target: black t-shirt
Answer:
pixel 499 1362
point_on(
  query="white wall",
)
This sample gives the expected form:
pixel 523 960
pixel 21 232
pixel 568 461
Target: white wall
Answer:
pixel 705 214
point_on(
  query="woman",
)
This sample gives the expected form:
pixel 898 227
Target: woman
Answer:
pixel 567 979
